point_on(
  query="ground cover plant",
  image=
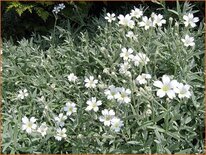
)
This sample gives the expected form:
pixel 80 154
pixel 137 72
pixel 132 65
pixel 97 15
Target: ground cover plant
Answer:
pixel 136 86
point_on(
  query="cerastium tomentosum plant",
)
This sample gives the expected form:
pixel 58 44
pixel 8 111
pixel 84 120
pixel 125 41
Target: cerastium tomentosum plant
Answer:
pixel 135 87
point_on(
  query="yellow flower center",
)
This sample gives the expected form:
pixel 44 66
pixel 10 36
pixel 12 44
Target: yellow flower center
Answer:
pixel 29 125
pixel 107 117
pixel 94 105
pixel 165 88
pixel 123 95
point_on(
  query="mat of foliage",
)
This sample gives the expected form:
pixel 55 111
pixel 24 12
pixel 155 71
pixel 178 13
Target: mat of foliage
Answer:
pixel 137 86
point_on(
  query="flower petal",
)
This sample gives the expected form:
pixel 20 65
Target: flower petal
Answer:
pixel 158 84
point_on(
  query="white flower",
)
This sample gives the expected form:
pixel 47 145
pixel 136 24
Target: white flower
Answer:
pixel 131 24
pixel 140 58
pixel 166 87
pixel 182 90
pixel 22 94
pixel 171 19
pixel 158 20
pixel 146 23
pixel 136 13
pixel 176 24
pixel 126 21
pixel 29 124
pixel 70 108
pixel 189 19
pixel 188 41
pixel 53 86
pixel 107 116
pixel 71 77
pixel 110 17
pixel 60 120
pixel 116 124
pixel 106 70
pixel 124 68
pixel 123 96
pixel 148 112
pixel 56 10
pixel 126 54
pixel 61 6
pixel 141 79
pixel 131 35
pixel 143 58
pixel 93 104
pixel 90 82
pixel 153 14
pixel 111 92
pixel 42 129
pixel 60 133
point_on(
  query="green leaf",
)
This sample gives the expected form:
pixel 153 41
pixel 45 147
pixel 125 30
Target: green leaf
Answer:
pixel 133 142
pixel 42 13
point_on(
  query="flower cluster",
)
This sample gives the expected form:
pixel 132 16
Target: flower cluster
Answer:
pixel 29 125
pixel 129 59
pixel 121 94
pixel 58 8
pixel 136 14
pixel 149 22
pixel 168 87
pixel 109 119
pixel 142 79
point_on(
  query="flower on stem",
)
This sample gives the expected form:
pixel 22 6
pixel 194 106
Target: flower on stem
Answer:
pixel 110 17
pixel 70 108
pixel 22 94
pixel 126 21
pixel 111 92
pixel 29 124
pixel 58 8
pixel 124 68
pixel 126 54
pixel 182 90
pixel 158 20
pixel 137 13
pixel 116 124
pixel 107 116
pixel 90 82
pixel 189 19
pixel 131 35
pixel 146 23
pixel 72 78
pixel 60 134
pixel 43 129
pixel 188 41
pixel 166 87
pixel 93 104
pixel 60 119
pixel 61 6
pixel 142 79
pixel 140 58
pixel 123 96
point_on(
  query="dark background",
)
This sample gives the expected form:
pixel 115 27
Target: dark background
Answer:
pixel 16 27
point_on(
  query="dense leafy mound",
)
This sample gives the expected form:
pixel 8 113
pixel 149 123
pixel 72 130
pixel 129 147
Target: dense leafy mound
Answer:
pixel 135 87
